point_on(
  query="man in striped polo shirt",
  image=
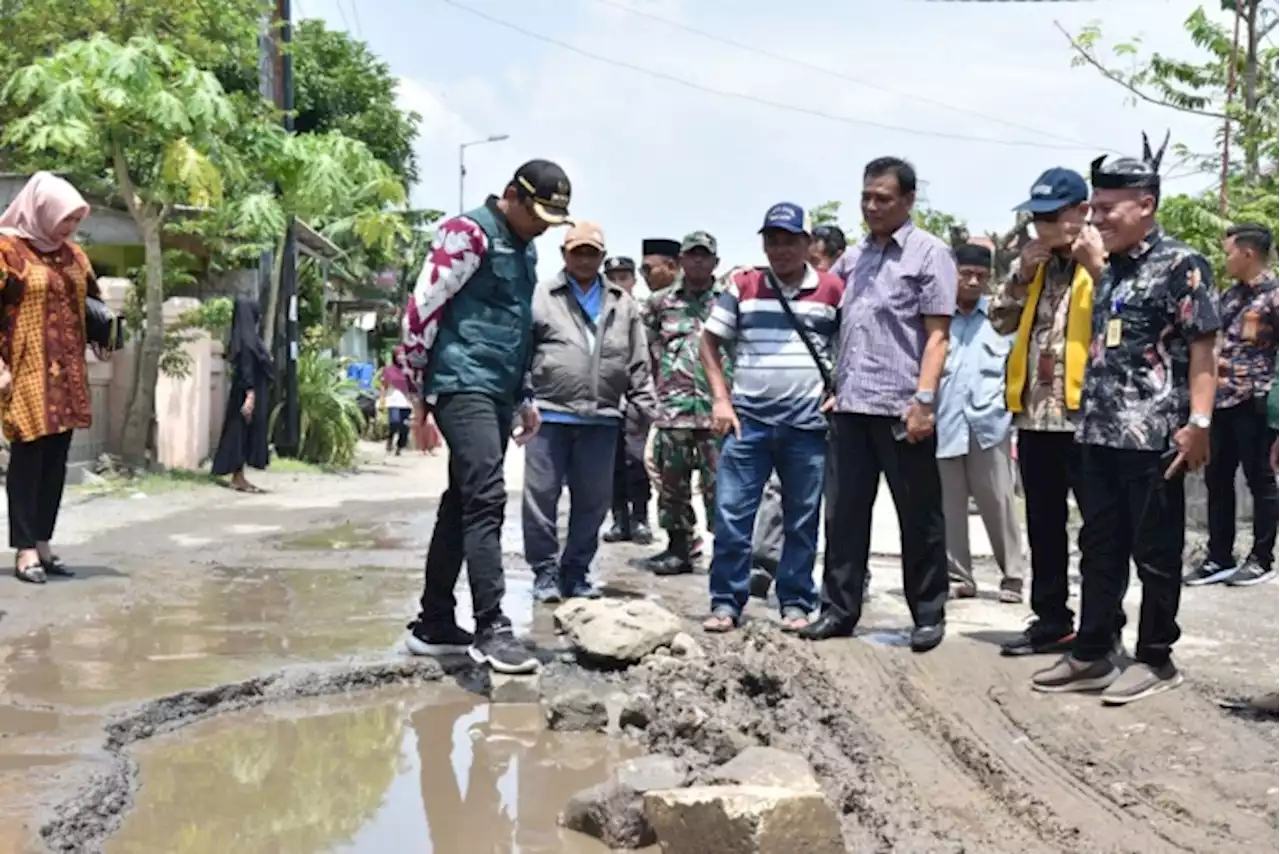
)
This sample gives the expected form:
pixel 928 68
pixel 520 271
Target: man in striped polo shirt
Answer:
pixel 783 319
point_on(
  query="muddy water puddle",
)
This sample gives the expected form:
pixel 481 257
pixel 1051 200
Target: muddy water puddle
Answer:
pixel 231 624
pixel 429 770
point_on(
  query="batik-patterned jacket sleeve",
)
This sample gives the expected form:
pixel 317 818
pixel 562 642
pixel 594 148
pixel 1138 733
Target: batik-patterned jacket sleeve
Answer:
pixel 1005 308
pixel 1195 301
pixel 456 253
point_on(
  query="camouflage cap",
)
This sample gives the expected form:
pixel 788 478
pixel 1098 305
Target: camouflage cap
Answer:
pixel 698 240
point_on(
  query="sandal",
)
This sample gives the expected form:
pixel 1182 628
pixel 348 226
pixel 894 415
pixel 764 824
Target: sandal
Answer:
pixel 964 590
pixel 721 620
pixel 32 573
pixel 56 568
pixel 1011 591
pixel 794 619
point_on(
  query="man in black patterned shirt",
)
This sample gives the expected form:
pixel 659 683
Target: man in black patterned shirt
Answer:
pixel 1148 403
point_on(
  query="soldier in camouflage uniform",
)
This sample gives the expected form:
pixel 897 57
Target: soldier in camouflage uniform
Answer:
pixel 684 440
pixel 1147 405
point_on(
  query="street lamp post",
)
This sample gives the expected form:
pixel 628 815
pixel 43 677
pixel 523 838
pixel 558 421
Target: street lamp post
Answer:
pixel 462 165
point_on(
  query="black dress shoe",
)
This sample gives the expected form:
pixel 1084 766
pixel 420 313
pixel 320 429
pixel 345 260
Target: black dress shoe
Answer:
pixel 925 638
pixel 617 534
pixel 827 626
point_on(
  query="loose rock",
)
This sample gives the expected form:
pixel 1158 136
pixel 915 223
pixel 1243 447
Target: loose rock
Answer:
pixel 743 820
pixel 684 646
pixel 506 688
pixel 577 711
pixel 613 811
pixel 766 766
pixel 636 711
pixel 615 633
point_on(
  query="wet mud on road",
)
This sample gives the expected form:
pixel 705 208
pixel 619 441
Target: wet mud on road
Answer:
pixel 283 617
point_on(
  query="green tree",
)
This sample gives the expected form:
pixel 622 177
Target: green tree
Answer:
pixel 827 213
pixel 162 124
pixel 941 225
pixel 155 117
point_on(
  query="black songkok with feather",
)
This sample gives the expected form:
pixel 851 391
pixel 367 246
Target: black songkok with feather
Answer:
pixel 1129 173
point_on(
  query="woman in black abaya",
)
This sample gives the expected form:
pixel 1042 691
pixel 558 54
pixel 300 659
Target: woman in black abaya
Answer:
pixel 244 432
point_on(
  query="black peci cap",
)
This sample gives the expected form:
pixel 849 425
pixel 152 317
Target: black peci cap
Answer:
pixel 546 184
pixel 660 246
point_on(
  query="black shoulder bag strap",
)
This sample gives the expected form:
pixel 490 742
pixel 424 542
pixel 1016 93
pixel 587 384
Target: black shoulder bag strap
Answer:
pixel 828 382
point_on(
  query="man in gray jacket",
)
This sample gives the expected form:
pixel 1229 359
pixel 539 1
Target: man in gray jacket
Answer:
pixel 588 353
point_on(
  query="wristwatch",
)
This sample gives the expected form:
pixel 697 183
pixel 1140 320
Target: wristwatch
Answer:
pixel 1200 420
pixel 924 398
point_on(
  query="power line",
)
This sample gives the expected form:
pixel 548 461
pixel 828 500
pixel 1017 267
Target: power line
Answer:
pixel 355 13
pixel 740 96
pixel 342 14
pixel 800 63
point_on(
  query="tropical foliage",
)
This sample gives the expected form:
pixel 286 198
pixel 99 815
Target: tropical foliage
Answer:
pixel 330 421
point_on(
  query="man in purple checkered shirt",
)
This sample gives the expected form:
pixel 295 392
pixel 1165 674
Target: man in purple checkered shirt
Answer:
pixel 900 295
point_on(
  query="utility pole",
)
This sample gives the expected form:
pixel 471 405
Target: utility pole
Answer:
pixel 266 89
pixel 287 439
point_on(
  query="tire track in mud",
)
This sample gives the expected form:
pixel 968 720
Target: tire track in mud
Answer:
pixel 951 752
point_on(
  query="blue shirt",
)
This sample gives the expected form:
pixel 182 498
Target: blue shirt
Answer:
pixel 590 301
pixel 971 394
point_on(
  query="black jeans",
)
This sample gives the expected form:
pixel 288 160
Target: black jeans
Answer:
pixel 860 449
pixel 1241 438
pixel 469 522
pixel 1049 463
pixel 1130 511
pixel 34 484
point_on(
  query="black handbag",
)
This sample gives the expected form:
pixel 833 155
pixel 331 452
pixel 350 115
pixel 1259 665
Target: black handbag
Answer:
pixel 102 326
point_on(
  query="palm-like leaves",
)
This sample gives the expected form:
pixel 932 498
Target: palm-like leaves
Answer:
pixel 330 421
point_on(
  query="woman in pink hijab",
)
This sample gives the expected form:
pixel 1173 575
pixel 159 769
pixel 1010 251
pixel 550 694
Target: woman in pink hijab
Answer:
pixel 44 385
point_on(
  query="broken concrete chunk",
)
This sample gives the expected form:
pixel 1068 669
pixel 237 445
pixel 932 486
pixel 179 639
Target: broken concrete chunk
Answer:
pixel 508 688
pixel 613 811
pixel 616 633
pixel 766 766
pixel 577 711
pixel 743 820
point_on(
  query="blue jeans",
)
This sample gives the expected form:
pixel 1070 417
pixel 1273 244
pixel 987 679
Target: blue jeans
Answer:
pixel 582 456
pixel 798 456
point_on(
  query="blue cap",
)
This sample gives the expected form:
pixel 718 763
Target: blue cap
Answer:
pixel 1054 190
pixel 787 217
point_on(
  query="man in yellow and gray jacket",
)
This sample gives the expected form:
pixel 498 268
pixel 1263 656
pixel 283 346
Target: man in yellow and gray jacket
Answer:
pixel 1047 301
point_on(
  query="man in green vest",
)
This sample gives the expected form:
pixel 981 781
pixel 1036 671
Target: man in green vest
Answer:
pixel 1047 303
pixel 468 333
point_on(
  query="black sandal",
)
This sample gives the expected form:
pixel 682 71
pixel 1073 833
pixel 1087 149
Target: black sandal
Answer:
pixel 56 568
pixel 32 573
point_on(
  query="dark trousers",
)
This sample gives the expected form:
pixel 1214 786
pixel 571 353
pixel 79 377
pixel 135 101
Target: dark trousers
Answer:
pixel 631 488
pixel 475 428
pixel 1049 463
pixel 560 455
pixel 37 475
pixel 862 447
pixel 1130 511
pixel 398 426
pixel 1241 438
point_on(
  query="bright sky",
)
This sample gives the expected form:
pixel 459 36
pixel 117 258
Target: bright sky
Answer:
pixel 651 157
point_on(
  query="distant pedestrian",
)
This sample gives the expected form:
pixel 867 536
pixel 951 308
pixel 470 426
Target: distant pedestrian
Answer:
pixel 244 441
pixel 685 442
pixel 973 435
pixel 780 322
pixel 469 331
pixel 589 354
pixel 631 487
pixel 1148 405
pixel 900 295
pixel 45 280
pixel 1240 436
pixel 1046 303
pixel 398 393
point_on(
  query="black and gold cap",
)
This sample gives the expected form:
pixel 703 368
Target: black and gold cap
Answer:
pixel 548 187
